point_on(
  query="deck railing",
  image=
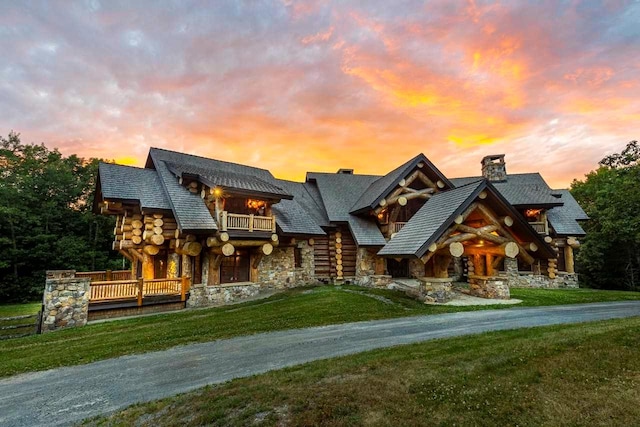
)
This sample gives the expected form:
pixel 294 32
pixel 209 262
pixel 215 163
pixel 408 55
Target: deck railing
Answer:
pixel 102 291
pixel 540 227
pixel 232 221
pixel 106 275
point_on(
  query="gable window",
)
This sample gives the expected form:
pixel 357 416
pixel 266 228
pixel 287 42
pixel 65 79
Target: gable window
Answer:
pixel 297 257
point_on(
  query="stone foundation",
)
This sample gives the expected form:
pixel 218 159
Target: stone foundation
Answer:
pixel 433 289
pixel 530 280
pixel 207 296
pixel 373 281
pixel 527 279
pixel 493 287
pixel 65 301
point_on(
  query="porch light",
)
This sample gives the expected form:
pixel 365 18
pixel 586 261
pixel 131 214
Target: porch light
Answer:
pixel 217 191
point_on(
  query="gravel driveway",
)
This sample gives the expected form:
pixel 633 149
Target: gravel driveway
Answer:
pixel 67 395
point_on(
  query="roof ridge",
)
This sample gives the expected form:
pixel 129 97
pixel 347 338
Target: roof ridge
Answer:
pixel 209 158
pixel 123 166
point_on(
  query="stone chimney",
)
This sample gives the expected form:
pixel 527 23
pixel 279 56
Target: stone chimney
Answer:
pixel 494 167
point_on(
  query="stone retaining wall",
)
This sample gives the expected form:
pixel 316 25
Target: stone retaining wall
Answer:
pixel 493 287
pixel 65 300
pixel 206 296
pixel 525 279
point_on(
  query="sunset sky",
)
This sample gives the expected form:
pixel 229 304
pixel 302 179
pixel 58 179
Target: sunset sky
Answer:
pixel 318 85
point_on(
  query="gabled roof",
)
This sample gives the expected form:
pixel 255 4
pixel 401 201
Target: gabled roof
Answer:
pixel 129 183
pixel 190 210
pixel 381 187
pixel 431 220
pixel 300 215
pixel 564 219
pixel 439 213
pixel 239 183
pixel 337 192
pixel 522 190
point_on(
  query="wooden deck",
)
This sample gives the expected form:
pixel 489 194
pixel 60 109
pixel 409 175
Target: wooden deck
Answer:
pixel 137 291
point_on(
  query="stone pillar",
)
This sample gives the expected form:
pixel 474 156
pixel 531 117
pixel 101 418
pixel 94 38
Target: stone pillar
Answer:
pixel 65 301
pixel 186 266
pixel 511 265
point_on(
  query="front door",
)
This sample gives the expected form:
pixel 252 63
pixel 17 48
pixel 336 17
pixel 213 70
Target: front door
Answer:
pixel 235 268
pixel 398 268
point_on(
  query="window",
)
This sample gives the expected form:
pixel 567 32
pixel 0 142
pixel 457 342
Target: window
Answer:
pixel 235 268
pixel 297 257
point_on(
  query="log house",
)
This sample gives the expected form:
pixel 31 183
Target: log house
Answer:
pixel 224 224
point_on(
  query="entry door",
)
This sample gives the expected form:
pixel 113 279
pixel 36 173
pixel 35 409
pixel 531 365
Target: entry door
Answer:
pixel 398 269
pixel 235 268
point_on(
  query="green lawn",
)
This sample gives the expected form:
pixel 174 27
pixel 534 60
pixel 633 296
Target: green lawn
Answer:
pixel 295 308
pixel 586 374
pixel 11 310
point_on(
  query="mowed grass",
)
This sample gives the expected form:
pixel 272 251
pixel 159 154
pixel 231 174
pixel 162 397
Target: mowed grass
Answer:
pixel 297 308
pixel 585 374
pixel 12 310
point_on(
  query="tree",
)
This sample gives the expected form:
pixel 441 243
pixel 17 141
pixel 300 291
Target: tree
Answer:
pixel 610 254
pixel 45 217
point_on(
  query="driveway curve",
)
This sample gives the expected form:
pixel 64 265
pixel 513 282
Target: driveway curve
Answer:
pixel 64 396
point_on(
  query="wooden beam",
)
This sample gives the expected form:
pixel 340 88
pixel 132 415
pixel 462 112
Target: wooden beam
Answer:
pixel 483 234
pixel 135 254
pixel 126 255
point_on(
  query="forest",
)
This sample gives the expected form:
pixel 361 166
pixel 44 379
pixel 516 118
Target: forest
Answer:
pixel 46 220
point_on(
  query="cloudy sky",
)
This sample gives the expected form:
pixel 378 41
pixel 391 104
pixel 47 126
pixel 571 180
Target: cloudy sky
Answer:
pixel 318 85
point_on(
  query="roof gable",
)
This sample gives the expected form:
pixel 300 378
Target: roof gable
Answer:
pixel 381 188
pixel 438 214
pixel 118 182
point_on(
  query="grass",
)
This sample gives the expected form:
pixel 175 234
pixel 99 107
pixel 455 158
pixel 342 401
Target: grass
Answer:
pixel 11 310
pixel 586 374
pixel 297 308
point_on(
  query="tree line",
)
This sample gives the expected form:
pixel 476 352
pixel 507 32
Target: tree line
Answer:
pixel 46 221
pixel 45 218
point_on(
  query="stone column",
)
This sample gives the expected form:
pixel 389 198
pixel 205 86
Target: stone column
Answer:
pixel 65 301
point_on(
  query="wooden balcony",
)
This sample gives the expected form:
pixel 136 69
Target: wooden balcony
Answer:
pixel 232 221
pixel 540 227
pixel 396 226
pixel 106 275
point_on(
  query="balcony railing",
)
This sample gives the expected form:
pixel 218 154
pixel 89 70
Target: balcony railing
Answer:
pixel 232 221
pixel 397 226
pixel 105 275
pixel 540 227
pixel 118 290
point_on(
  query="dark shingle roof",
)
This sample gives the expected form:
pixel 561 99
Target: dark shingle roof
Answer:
pixel 190 210
pixel 337 192
pixel 526 189
pixel 563 218
pixel 430 221
pixel 300 215
pixel 240 182
pixel 381 187
pixel 130 183
pixel 438 214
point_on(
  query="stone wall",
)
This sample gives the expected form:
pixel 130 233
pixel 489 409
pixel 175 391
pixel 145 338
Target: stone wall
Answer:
pixel 366 270
pixel 278 270
pixel 65 300
pixel 493 287
pixel 525 279
pixel 436 290
pixel 205 296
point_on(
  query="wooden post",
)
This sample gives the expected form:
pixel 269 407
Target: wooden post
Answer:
pixel 568 259
pixel 134 268
pixel 109 276
pixel 273 224
pixel 489 270
pixel 478 264
pixel 250 222
pixel 173 266
pixel 140 289
pixel 147 266
pixel 224 221
pixel 184 284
